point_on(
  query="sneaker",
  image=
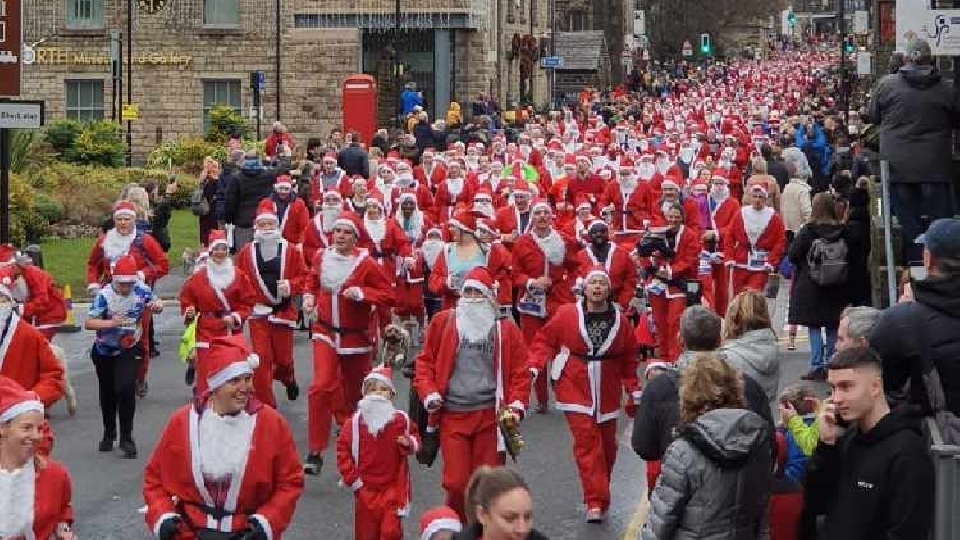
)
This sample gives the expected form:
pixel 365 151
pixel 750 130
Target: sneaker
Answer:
pixel 313 464
pixel 190 376
pixel 293 391
pixel 154 352
pixel 792 344
pixel 106 445
pixel 142 389
pixel 129 449
pixel 595 515
pixel 816 374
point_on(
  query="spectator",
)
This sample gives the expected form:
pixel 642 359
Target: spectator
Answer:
pixel 858 221
pixel 769 183
pixel 479 108
pixel 454 115
pixel 353 158
pixel 795 201
pixel 279 141
pixel 240 204
pixel 381 140
pixel 716 474
pixel 935 309
pixel 409 99
pixel 161 211
pixel 775 166
pixel 786 497
pixel 816 306
pixel 798 422
pixel 750 345
pixel 335 140
pixel 873 479
pixel 499 507
pixel 210 181
pixel 229 174
pixel 423 132
pixel 917 113
pixel 856 326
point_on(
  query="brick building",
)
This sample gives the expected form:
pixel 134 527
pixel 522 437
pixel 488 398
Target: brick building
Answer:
pixel 191 54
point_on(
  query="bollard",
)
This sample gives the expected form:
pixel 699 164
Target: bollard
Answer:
pixel 69 325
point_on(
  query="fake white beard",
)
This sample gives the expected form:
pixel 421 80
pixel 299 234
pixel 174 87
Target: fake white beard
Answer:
pixel 686 156
pixel 719 194
pixel 17 495
pixel 628 185
pixel 552 246
pixel 646 172
pixel 6 308
pixel 416 219
pixel 663 167
pixel 220 275
pixel 328 216
pixel 755 221
pixel 224 442
pixel 455 186
pixel 269 243
pixel 335 269
pixel 116 245
pixel 431 250
pixel 406 181
pixel 376 228
pixel 484 208
pixel 475 319
pixel 376 412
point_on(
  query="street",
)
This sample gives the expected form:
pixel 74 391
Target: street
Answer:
pixel 107 489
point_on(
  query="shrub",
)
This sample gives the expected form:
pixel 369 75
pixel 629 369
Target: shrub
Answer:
pixel 62 133
pixel 99 144
pixel 24 221
pixel 48 208
pixel 186 153
pixel 224 120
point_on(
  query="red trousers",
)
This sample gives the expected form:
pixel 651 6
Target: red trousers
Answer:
pixel 335 390
pixel 721 282
pixel 742 280
pixel 530 325
pixel 467 441
pixel 666 316
pixel 375 514
pixel 595 452
pixel 273 343
pixel 707 293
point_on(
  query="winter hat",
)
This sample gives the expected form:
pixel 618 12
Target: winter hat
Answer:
pixel 465 220
pixel 283 181
pixel 349 220
pixel 757 188
pixel 375 199
pixel 408 195
pixel 595 271
pixel 381 374
pixel 485 193
pixel 215 237
pixel 15 400
pixel 265 210
pixel 125 270
pixel 332 194
pixel 597 223
pixel 569 161
pixel 228 358
pixel 656 364
pixel 668 182
pixel 125 209
pixel 330 157
pixel 441 518
pixel 626 164
pixel 541 203
pixel 480 279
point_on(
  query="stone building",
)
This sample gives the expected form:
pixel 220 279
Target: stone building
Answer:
pixel 191 54
pixel 612 17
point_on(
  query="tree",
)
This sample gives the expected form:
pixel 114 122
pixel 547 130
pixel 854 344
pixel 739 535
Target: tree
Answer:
pixel 670 22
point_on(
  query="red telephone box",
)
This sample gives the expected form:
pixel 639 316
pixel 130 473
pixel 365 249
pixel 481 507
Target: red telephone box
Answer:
pixel 360 106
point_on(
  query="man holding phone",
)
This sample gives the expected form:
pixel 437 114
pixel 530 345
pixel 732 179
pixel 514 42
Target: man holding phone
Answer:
pixel 871 473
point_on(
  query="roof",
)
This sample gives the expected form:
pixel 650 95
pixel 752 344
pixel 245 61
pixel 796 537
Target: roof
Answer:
pixel 581 51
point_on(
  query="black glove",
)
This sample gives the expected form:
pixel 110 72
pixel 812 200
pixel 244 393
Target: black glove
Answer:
pixel 169 528
pixel 256 530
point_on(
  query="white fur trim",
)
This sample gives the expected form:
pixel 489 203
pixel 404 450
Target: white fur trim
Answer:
pixel 163 517
pixel 431 398
pixel 540 204
pixel 474 284
pixel 234 370
pixel 343 222
pixel 125 213
pixel 273 216
pixel 356 485
pixel 20 408
pixel 596 272
pixel 262 520
pixel 442 524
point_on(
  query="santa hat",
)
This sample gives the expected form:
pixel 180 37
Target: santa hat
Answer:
pixel 583 157
pixel 408 195
pixel 541 203
pixel 125 270
pixel 479 278
pixel 554 146
pixel 330 156
pixel 382 374
pixel 332 193
pixel 215 237
pixel 626 164
pixel 357 179
pixel 520 187
pixel 125 209
pixel 15 400
pixel 668 183
pixel 569 161
pixel 441 518
pixel 350 220
pixel 656 364
pixel 7 253
pixel 484 192
pixel 758 188
pixel 595 271
pixel 583 200
pixel 434 231
pixel 699 186
pixel 427 152
pixel 265 210
pixel 486 225
pixel 375 199
pixel 283 181
pixel 465 220
pixel 228 358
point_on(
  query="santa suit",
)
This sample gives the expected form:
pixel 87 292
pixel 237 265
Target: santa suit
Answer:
pixel 315 238
pixel 266 487
pixel 386 250
pixel 469 439
pixel 447 199
pixel 447 286
pixel 691 214
pixel 722 216
pixel 629 216
pixel 589 384
pixel 619 266
pixel 754 243
pixel 590 185
pixel 375 467
pixel 40 494
pixel 667 303
pixel 415 227
pixel 735 179
pixel 42 304
pixel 430 177
pixel 530 263
pixel 294 217
pixel 425 200
pixel 26 357
pixel 273 318
pixel 336 181
pixel 342 344
pixel 410 283
pixel 509 221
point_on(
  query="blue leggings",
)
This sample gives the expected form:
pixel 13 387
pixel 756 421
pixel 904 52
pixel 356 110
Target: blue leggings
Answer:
pixel 820 352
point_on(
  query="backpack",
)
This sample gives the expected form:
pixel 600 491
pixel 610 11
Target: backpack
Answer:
pixel 941 423
pixel 827 261
pixel 199 204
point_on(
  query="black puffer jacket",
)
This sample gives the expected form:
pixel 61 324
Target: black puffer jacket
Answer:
pixel 937 312
pixel 253 184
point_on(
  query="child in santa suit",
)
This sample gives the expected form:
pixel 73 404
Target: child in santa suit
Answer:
pixel 440 523
pixel 372 453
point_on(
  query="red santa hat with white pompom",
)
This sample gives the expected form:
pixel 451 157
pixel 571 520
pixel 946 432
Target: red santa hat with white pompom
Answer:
pixel 228 358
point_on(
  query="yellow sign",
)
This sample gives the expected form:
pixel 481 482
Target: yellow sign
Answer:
pixel 60 56
pixel 130 112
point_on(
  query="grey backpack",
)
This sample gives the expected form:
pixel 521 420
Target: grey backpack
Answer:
pixel 827 261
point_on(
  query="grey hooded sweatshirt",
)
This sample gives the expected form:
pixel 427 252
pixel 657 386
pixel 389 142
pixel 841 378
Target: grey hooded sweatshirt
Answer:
pixel 757 354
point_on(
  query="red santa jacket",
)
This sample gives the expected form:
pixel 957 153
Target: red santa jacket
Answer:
pixel 385 251
pixel 529 263
pixel 267 490
pixel 508 221
pixel 336 183
pixel 637 209
pixel 691 214
pixel 151 260
pixel 378 462
pixel 767 247
pixel 591 185
pixel 619 266
pixel 444 204
pixel 52 497
pixel 587 381
pixel 294 220
pixel 447 287
pixel 43 305
pixel 26 357
pixel 432 178
pixel 342 322
pixel 418 227
pixel 213 304
pixel 293 268
pixel 723 215
pixel 685 263
pixel 425 200
pixel 438 357
pixel 315 239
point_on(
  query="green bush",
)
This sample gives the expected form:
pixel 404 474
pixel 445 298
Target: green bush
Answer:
pixel 48 208
pixel 224 120
pixel 186 153
pixel 99 143
pixel 61 134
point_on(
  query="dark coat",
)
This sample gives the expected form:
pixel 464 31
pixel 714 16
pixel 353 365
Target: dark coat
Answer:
pixel 860 290
pixel 475 532
pixel 243 196
pixel 812 304
pixel 354 160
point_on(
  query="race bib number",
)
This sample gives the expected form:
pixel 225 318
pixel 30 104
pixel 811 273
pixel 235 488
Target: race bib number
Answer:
pixel 705 267
pixel 757 259
pixel 455 282
pixel 533 303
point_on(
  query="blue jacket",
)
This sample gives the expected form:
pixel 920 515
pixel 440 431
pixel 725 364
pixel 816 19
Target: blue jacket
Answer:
pixel 408 100
pixel 796 467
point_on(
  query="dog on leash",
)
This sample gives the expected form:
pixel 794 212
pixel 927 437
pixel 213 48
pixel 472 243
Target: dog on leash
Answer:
pixel 394 346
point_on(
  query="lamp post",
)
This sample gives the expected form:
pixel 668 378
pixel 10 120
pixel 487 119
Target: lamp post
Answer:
pixel 129 79
pixel 277 54
pixel 397 66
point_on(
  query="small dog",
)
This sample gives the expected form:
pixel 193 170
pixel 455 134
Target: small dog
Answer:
pixel 189 260
pixel 69 394
pixel 394 346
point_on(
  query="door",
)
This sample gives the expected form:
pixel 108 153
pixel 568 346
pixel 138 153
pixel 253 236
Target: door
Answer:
pixel 416 56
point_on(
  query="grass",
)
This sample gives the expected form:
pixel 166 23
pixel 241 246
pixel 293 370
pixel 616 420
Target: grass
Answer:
pixel 66 260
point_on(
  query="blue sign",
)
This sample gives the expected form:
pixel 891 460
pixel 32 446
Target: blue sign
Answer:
pixel 551 62
pixel 261 81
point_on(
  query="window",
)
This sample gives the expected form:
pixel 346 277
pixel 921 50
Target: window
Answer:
pixel 221 13
pixel 85 99
pixel 578 20
pixel 84 14
pixel 219 92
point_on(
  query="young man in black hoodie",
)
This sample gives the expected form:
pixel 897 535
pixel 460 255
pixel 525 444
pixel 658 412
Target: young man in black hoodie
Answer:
pixel 871 473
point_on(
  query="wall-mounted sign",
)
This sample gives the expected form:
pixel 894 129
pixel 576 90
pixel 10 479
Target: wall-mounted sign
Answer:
pixel 11 41
pixel 60 56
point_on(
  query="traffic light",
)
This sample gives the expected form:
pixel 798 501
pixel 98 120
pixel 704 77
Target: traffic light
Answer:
pixel 705 44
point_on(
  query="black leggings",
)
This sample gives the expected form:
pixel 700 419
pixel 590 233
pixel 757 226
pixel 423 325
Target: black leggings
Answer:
pixel 117 378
